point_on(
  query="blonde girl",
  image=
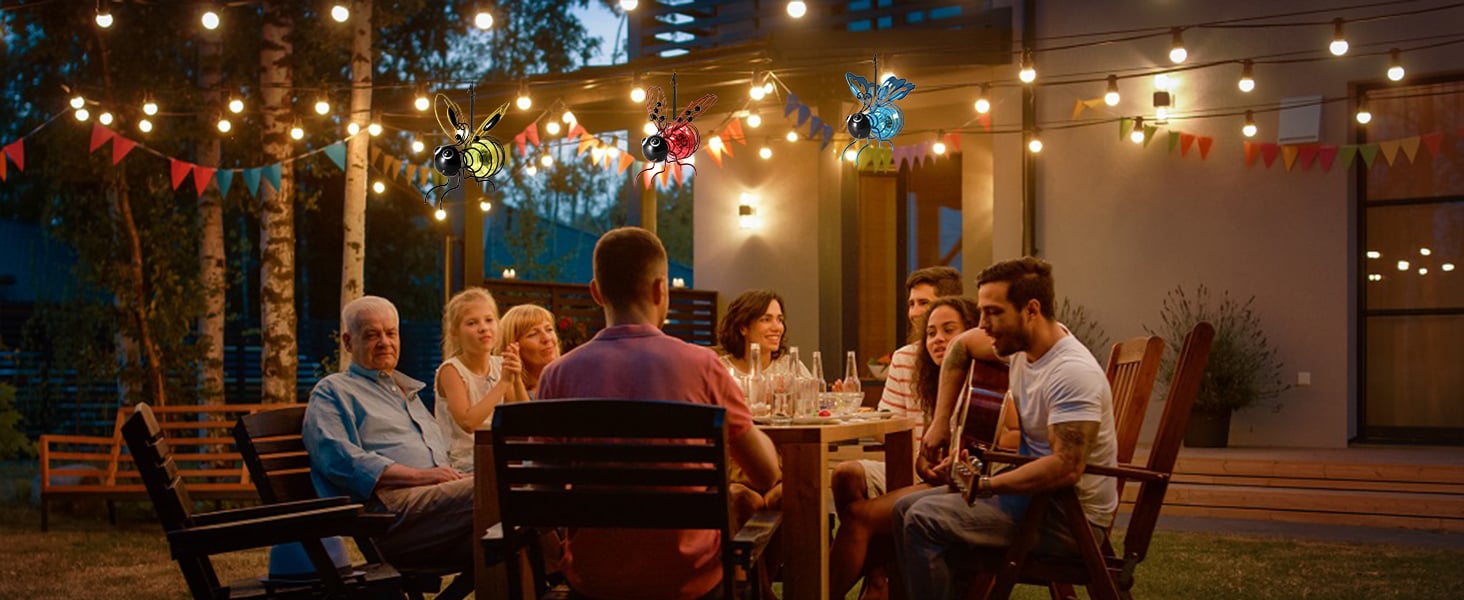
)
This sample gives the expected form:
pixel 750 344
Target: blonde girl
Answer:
pixel 472 381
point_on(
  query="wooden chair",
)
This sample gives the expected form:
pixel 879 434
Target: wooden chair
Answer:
pixel 1107 575
pixel 615 464
pixel 273 449
pixel 194 538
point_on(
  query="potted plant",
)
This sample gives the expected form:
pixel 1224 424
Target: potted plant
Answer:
pixel 1243 367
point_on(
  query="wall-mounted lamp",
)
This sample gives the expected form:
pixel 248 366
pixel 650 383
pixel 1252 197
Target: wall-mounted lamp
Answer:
pixel 747 217
pixel 510 273
pixel 678 282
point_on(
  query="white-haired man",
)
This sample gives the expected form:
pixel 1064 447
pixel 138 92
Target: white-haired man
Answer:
pixel 370 438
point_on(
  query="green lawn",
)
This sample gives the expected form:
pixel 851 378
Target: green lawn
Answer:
pixel 83 556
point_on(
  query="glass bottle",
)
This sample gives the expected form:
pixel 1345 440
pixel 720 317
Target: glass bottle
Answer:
pixel 850 395
pixel 779 381
pixel 820 385
pixel 805 400
pixel 757 400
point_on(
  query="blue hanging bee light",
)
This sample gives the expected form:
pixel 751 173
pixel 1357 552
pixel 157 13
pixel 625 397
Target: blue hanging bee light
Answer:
pixel 878 118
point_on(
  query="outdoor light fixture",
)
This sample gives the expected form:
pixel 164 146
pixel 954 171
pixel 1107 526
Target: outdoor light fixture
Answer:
pixel 149 107
pixel 765 152
pixel 1338 47
pixel 568 118
pixel 552 127
pixel 374 129
pixel 421 103
pixel 754 120
pixel 523 102
pixel 629 5
pixel 1035 144
pixel 1028 74
pixel 483 20
pixel 1249 129
pixel 225 126
pixel 792 136
pixel 1111 97
pixel 322 107
pixel 378 186
pixel 1395 66
pixel 797 9
pixel 983 103
pixel 144 126
pixel 1162 102
pixel 353 128
pixel 1364 116
pixel 340 13
pixel 296 132
pixel 1247 78
pixel 105 118
pixel 236 105
pixel 637 92
pixel 747 217
pixel 82 114
pixel 210 20
pixel 1177 53
pixel 104 15
pixel 1137 135
pixel 485 206
pixel 78 101
pixel 418 146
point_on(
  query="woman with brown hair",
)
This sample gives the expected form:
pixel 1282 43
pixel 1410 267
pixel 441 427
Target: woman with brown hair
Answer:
pixel 753 317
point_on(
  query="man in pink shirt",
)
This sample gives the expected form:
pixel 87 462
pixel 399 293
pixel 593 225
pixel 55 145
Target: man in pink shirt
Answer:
pixel 632 359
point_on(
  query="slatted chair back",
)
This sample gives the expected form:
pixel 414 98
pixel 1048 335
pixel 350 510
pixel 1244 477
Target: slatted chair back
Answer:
pixel 168 491
pixel 273 449
pixel 1184 387
pixel 1132 368
pixel 613 464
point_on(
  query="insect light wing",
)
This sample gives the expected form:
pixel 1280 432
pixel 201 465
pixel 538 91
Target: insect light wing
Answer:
pixel 863 90
pixel 449 118
pixel 893 89
pixel 656 108
pixel 696 108
pixel 491 121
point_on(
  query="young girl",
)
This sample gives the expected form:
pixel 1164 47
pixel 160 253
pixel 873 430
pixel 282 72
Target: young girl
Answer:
pixel 471 382
pixel 529 329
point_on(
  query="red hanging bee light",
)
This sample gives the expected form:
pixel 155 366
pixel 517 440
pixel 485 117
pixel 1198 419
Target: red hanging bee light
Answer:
pixel 677 140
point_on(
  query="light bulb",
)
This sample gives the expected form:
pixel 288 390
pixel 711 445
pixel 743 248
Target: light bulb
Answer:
pixel 78 102
pixel 1424 252
pixel 1447 267
pixel 1339 46
pixel 938 148
pixel 552 127
pixel 767 87
pixel 422 103
pixel 105 118
pixel 104 18
pixel 1423 270
pixel 353 128
pixel 1249 129
pixel 1177 53
pixel 149 108
pixel 1028 74
pixel 797 9
pixel 983 105
pixel 523 102
pixel 1111 97
pixel 225 126
pixel 649 128
pixel 1395 66
pixel 568 118
pixel 531 170
pixel 1137 135
pixel 1364 116
pixel 1161 114
pixel 754 120
pixel 547 161
pixel 82 114
pixel 888 75
pixel 597 152
pixel 849 155
pixel 1374 254
pixel 629 5
pixel 418 146
pixel 236 105
pixel 637 94
pixel 440 215
pixel 792 136
pixel 1247 77
pixel 297 133
pixel 612 151
pixel 715 142
pixel 485 205
pixel 374 129
pixel 378 186
pixel 144 126
pixel 765 152
pixel 1403 265
pixel 210 20
pixel 1161 82
pixel 483 20
pixel 1035 145
pixel 322 107
pixel 340 13
pixel 756 92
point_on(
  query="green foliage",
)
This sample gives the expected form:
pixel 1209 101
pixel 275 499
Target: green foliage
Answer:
pixel 1243 367
pixel 13 443
pixel 1082 324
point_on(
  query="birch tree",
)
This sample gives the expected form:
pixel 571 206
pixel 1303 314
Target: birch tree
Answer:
pixel 353 214
pixel 280 356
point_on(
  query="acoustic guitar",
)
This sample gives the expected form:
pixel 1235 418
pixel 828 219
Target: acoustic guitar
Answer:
pixel 975 420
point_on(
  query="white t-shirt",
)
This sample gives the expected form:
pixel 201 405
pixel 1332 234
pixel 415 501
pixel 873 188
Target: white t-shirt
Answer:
pixel 1067 385
pixel 459 442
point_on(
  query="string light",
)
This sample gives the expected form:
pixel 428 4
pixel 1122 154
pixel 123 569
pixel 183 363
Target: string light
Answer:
pixel 524 101
pixel 627 6
pixel 1447 267
pixel 353 128
pixel 297 132
pixel 78 101
pixel 547 161
pixel 983 104
pixel 144 126
pixel 374 129
pixel 1364 116
pixel 797 9
pixel 613 150
pixel 418 146
pixel 1177 53
pixel 340 13
pixel 1111 98
pixel 485 206
pixel 483 20
pixel 1137 135
pixel 754 120
pixel 104 15
pixel 149 108
pixel 1161 82
pixel 1395 66
pixel 552 127
pixel 378 186
pixel 637 93
pixel 888 75
pixel 210 20
pixel 1249 129
pixel 82 114
pixel 1035 144
pixel 758 91
pixel 421 103
pixel 568 118
pixel 1028 74
pixel 225 126
pixel 1339 46
pixel 440 214
pixel 105 118
pixel 322 106
pixel 792 136
pixel 531 170
pixel 1247 76
pixel 765 152
pixel 850 155
pixel 939 147
pixel 236 105
pixel 1162 102
pixel 768 85
pixel 649 128
pixel 715 143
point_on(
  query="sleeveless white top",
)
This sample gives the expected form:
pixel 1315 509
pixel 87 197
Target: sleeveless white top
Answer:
pixel 460 443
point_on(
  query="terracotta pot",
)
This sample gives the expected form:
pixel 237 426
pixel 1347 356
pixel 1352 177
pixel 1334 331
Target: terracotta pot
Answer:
pixel 1208 429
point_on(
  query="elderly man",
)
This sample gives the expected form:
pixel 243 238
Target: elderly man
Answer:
pixel 633 359
pixel 370 438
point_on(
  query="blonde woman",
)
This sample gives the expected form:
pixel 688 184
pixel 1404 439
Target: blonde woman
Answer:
pixel 530 329
pixel 472 381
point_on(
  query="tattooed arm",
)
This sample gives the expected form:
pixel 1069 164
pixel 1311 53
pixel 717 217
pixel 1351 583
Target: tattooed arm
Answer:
pixel 1063 468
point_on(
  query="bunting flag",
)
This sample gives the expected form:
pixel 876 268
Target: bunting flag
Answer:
pixel 791 105
pixel 815 126
pixel 1432 141
pixel 625 162
pixel 1410 147
pixel 1125 127
pixel 1185 141
pixel 532 133
pixel 251 180
pixel 1326 155
pixel 575 131
pixel 1369 152
pixel 411 173
pixel 99 136
pixel 16 151
pixel 1079 105
pixel 272 175
pixel 224 178
pixel 376 156
pixel 803 113
pixel 1389 150
pixel 120 147
pixel 1288 156
pixel 179 170
pixel 1347 153
pixel 1149 134
pixel 337 154
pixel 1173 141
pixel 1205 143
pixel 716 153
pixel 520 141
pixel 1269 152
pixel 1251 151
pixel 1308 154
pixel 953 141
pixel 734 131
pixel 3 164
pixel 586 142
pixel 985 121
pixel 201 177
pixel 828 136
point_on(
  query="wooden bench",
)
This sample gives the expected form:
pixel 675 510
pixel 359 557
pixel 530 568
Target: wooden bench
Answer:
pixel 202 440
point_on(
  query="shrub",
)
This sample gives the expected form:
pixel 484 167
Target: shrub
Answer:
pixel 1243 367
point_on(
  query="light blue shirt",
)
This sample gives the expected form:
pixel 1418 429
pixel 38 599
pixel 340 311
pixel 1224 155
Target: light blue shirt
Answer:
pixel 362 421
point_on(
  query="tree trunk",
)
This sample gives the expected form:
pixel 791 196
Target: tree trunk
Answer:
pixel 211 263
pixel 353 218
pixel 277 214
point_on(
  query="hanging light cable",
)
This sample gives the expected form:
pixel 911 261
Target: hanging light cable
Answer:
pixel 1177 53
pixel 1339 46
pixel 1395 66
pixel 1028 74
pixel 1249 129
pixel 1247 76
pixel 1364 116
pixel 983 102
pixel 637 92
pixel 524 101
pixel 1137 135
pixel 104 15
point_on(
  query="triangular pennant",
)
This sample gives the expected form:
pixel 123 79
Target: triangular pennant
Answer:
pixel 1433 141
pixel 727 149
pixel 828 136
pixel 1205 143
pixel 337 154
pixel 224 178
pixel 1369 153
pixel 1308 154
pixel 1185 141
pixel 1347 153
pixel 531 133
pixel 676 172
pixel 1251 152
pixel 735 130
pixel 272 175
pixel 16 151
pixel 716 153
pixel 646 177
pixel 586 142
pixel 954 141
pixel 424 176
pixel 1288 156
pixel 411 173
pixel 665 177
pixel 3 165
pixel 1078 106
pixel 899 156
pixel 1389 151
pixel 201 177
pixel 519 142
pixel 1327 154
pixel 790 105
pixel 251 180
pixel 985 121
pixel 120 147
pixel 1269 152
pixel 625 162
pixel 100 134
pixel 376 155
pixel 575 131
pixel 179 170
pixel 1173 141
pixel 802 115
pixel 1149 134
pixel 1410 147
pixel 815 125
pixel 1125 126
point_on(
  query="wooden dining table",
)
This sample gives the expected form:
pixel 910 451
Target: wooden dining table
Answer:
pixel 804 450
